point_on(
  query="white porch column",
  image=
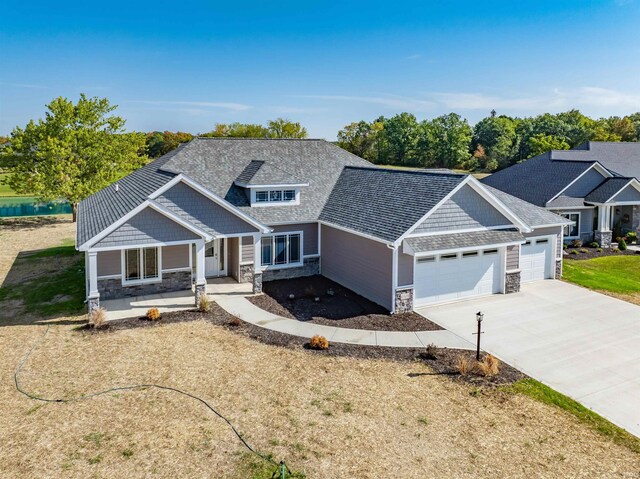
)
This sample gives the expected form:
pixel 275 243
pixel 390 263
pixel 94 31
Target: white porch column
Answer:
pixel 201 281
pixel 257 262
pixel 604 218
pixel 93 295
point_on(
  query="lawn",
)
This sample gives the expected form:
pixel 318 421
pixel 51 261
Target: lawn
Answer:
pixel 326 416
pixel 611 274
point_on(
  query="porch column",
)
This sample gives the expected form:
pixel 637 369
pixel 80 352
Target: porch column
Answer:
pixel 257 261
pixel 603 234
pixel 201 282
pixel 93 297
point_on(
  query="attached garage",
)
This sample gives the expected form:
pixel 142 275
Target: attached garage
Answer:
pixel 536 257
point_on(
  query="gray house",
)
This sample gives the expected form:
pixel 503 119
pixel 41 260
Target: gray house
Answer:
pixel 260 210
pixel 595 185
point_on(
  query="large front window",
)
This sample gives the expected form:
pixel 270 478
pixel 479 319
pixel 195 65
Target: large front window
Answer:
pixel 572 231
pixel 141 264
pixel 282 249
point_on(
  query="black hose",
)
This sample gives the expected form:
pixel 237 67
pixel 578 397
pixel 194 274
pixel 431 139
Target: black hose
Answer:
pixel 16 378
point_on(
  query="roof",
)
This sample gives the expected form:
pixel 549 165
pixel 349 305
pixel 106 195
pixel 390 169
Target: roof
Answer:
pixel 259 173
pixel 607 190
pixel 538 179
pixel 385 203
pixel 444 242
pixel 620 158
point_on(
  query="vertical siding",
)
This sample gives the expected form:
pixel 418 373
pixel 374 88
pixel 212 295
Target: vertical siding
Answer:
pixel 358 263
pixel 233 246
pixel 109 263
pixel 247 249
pixel 310 235
pixel 513 257
pixel 176 256
pixel 405 269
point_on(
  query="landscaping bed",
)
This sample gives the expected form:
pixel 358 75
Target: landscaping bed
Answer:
pixel 335 306
pixel 585 252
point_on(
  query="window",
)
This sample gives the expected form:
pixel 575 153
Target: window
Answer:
pixel 490 251
pixel 282 249
pixel 448 256
pixel 141 265
pixel 262 196
pixel 542 241
pixel 289 195
pixel 428 259
pixel 572 231
pixel 469 254
pixel 275 196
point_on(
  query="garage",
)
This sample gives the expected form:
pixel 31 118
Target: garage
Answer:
pixel 450 277
pixel 535 259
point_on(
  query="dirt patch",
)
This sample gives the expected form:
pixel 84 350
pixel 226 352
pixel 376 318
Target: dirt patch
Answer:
pixel 319 300
pixel 589 253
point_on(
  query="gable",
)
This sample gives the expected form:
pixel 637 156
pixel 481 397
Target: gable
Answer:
pixel 466 209
pixel 629 193
pixel 585 184
pixel 202 212
pixel 147 227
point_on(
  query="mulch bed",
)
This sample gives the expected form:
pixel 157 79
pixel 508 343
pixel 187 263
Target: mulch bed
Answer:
pixel 589 253
pixel 442 361
pixel 337 306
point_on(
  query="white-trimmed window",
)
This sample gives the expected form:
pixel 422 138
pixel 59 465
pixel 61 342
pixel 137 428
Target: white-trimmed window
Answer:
pixel 281 250
pixel 141 265
pixel 275 196
pixel 572 231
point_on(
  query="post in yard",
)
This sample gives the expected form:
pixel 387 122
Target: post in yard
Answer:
pixel 479 318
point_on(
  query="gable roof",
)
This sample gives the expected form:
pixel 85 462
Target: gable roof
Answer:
pixel 607 190
pixel 620 158
pixel 456 241
pixel 259 173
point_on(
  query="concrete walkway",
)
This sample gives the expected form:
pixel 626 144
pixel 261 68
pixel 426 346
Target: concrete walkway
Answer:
pixel 584 344
pixel 247 311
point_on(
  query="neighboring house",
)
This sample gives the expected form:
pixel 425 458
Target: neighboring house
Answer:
pixel 595 185
pixel 260 210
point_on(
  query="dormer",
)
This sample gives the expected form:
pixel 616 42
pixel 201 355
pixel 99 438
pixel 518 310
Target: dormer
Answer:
pixel 268 185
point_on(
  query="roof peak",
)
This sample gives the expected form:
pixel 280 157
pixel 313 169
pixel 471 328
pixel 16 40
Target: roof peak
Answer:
pixel 414 172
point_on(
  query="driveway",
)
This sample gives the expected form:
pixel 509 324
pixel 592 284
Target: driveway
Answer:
pixel 584 344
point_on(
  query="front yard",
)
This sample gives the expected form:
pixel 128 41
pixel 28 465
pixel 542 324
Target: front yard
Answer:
pixel 327 416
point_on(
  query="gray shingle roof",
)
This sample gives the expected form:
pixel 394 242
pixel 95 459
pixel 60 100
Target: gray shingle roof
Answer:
pixel 607 190
pixel 385 203
pixel 563 201
pixel 621 158
pixel 424 244
pixel 259 173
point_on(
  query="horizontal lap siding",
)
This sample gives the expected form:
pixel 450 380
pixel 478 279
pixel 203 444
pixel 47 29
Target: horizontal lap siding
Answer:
pixel 247 249
pixel 174 257
pixel 513 257
pixel 109 263
pixel 405 269
pixel 309 233
pixel 358 263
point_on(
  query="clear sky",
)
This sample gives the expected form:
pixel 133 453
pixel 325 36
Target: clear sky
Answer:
pixel 188 65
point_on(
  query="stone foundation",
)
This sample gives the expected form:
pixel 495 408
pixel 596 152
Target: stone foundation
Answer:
pixel 635 220
pixel 310 267
pixel 201 290
pixel 512 282
pixel 603 238
pixel 558 269
pixel 257 283
pixel 174 281
pixel 92 305
pixel 403 300
pixel 245 274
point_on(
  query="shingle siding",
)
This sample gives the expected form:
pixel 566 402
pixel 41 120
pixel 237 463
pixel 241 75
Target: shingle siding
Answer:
pixel 465 209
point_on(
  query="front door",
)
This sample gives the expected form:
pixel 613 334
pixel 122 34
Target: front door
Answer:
pixel 215 258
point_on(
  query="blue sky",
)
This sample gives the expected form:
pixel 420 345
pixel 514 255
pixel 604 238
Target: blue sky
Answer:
pixel 188 65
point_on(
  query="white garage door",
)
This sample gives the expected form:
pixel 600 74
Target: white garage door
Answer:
pixel 456 276
pixel 535 259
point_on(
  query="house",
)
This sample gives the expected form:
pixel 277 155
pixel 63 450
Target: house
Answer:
pixel 260 210
pixel 595 185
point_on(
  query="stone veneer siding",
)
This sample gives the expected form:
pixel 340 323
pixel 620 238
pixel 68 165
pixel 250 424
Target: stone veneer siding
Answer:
pixel 310 267
pixel 112 288
pixel 403 300
pixel 512 283
pixel 603 238
pixel 245 275
pixel 257 283
pixel 558 268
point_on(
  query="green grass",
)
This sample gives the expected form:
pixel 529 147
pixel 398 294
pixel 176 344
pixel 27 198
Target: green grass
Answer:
pixel 67 248
pixel 542 393
pixel 616 274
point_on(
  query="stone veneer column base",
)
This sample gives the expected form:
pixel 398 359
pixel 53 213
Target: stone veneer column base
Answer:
pixel 512 282
pixel 93 304
pixel 603 238
pixel 257 283
pixel 201 290
pixel 558 269
pixel 245 274
pixel 403 300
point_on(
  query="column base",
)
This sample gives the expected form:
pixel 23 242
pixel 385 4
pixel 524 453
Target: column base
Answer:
pixel 603 238
pixel 257 283
pixel 93 304
pixel 201 290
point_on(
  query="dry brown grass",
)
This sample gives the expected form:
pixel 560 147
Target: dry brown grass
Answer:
pixel 319 342
pixel 464 365
pixel 98 318
pixel 489 366
pixel 204 304
pixel 326 416
pixel 153 314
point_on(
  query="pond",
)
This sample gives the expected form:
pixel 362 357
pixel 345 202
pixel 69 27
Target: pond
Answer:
pixel 28 206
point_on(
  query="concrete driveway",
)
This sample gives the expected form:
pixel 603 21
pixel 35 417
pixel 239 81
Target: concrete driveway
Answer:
pixel 584 344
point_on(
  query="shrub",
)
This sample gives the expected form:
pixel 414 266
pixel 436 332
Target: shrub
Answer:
pixel 489 366
pixel 431 351
pixel 594 244
pixel 565 245
pixel 574 251
pixel 319 342
pixel 583 250
pixel 632 237
pixel 235 322
pixel 204 305
pixel 98 318
pixel 464 365
pixel 576 243
pixel 599 250
pixel 622 244
pixel 153 314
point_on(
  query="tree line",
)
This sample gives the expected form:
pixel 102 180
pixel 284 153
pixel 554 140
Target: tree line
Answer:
pixel 495 142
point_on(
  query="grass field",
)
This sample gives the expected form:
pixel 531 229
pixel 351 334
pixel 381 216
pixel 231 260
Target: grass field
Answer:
pixel 326 416
pixel 617 275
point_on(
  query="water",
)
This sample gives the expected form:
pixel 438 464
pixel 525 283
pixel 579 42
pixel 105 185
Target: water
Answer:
pixel 26 206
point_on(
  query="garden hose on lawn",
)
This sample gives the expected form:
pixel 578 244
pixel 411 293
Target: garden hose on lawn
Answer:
pixel 16 378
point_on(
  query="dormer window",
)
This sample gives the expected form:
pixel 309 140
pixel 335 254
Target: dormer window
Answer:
pixel 266 197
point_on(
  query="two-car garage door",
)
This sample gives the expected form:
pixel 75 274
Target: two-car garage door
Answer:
pixel 449 277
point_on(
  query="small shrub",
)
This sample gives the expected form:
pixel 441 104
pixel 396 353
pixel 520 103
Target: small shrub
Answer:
pixel 632 237
pixel 616 250
pixel 622 244
pixel 204 305
pixel 319 342
pixel 235 321
pixel 584 250
pixel 576 243
pixel 594 244
pixel 464 365
pixel 431 351
pixel 98 318
pixel 489 366
pixel 565 245
pixel 574 251
pixel 599 250
pixel 153 314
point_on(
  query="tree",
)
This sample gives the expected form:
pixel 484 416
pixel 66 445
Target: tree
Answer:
pixel 497 135
pixel 541 143
pixel 159 144
pixel 448 140
pixel 74 152
pixel 401 133
pixel 283 128
pixel 623 128
pixel 238 130
pixel 361 139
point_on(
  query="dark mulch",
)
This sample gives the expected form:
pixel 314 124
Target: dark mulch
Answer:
pixel 343 308
pixel 441 360
pixel 588 253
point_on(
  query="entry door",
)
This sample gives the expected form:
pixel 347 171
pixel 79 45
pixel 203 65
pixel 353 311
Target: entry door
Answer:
pixel 214 258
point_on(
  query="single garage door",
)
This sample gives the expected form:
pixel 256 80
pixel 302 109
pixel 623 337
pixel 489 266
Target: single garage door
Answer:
pixel 535 259
pixel 450 277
